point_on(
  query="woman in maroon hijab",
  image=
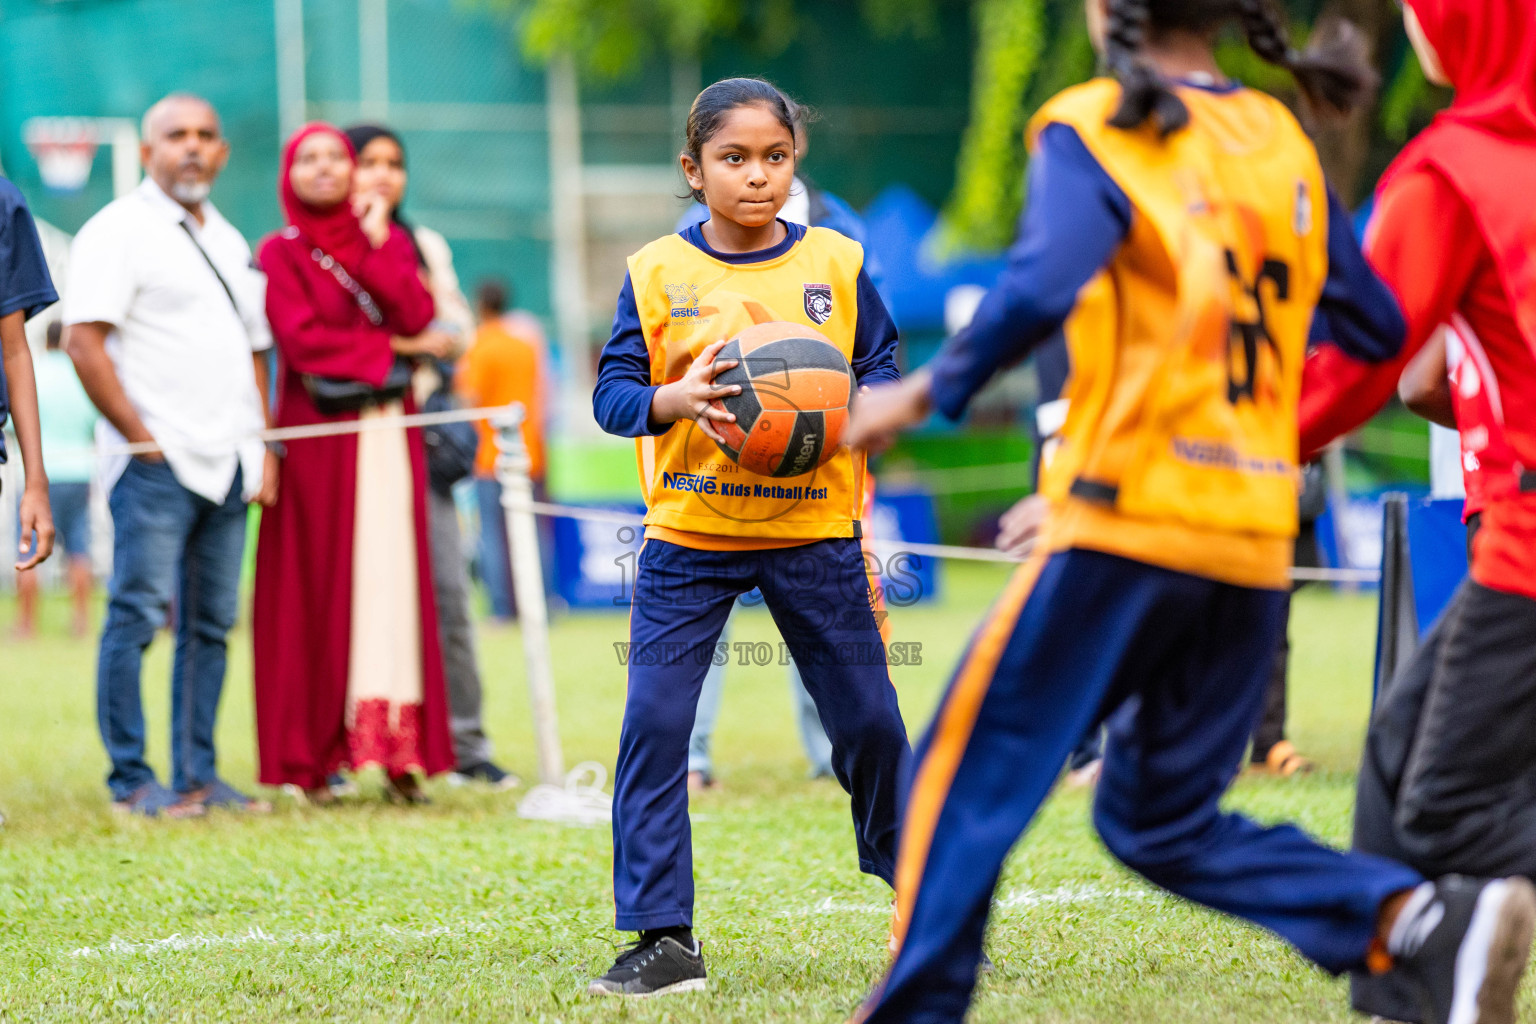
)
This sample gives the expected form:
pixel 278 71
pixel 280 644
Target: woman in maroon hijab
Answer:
pixel 348 667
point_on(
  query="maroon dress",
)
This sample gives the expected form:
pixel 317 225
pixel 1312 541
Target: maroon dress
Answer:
pixel 302 609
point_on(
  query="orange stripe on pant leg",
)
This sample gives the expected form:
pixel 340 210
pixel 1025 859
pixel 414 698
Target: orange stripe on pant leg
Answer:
pixel 952 734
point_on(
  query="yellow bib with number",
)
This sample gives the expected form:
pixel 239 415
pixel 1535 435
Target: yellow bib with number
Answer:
pixel 1180 442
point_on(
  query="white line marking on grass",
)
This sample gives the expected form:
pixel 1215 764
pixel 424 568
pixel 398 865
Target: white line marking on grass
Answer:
pixel 179 943
pixel 1068 895
pixel 1009 900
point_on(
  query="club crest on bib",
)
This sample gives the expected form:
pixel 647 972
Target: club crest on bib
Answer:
pixel 1301 220
pixel 818 303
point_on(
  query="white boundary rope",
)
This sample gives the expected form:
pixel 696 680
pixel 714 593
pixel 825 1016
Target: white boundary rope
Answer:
pixel 1300 574
pixel 280 434
pixel 579 800
pixel 953 552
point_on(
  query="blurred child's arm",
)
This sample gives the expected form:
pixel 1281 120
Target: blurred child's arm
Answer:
pixel 1361 313
pixel 1075 220
pixel 35 513
pixel 1425 386
pixel 874 340
pixel 1425 246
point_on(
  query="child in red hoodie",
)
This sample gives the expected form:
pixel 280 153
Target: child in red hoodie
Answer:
pixel 1449 763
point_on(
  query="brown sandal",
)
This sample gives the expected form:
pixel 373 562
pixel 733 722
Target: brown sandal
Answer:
pixel 320 796
pixel 1283 760
pixel 405 790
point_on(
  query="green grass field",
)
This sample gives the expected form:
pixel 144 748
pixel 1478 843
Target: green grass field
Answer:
pixel 463 911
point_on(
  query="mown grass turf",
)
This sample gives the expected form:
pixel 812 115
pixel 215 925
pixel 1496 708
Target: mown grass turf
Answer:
pixel 463 911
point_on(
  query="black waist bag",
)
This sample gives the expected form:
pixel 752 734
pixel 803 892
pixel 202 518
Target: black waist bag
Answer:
pixel 334 396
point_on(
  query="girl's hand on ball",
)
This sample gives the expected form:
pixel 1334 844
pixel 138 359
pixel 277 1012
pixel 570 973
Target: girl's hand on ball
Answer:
pixel 689 398
pixel 882 412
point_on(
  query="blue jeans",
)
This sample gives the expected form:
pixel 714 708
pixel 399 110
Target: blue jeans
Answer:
pixel 495 561
pixel 168 543
pixel 494 556
pixel 71 503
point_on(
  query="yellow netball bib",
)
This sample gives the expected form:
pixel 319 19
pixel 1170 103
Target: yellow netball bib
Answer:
pixel 687 300
pixel 1187 351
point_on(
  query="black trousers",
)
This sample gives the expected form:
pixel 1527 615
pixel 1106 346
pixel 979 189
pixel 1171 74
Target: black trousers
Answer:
pixel 1448 778
pixel 1271 728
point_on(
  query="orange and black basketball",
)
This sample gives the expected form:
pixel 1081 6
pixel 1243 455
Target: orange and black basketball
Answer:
pixel 795 390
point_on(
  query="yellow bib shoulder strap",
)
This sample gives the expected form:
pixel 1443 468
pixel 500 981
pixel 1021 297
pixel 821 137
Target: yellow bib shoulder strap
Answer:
pixel 1082 106
pixel 847 254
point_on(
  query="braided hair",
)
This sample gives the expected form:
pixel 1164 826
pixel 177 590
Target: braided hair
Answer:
pixel 1144 93
pixel 1333 74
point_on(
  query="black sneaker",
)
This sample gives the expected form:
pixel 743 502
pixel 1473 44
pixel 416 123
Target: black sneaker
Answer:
pixel 485 773
pixel 1465 948
pixel 653 967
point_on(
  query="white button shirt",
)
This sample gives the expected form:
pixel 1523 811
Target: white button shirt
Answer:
pixel 180 348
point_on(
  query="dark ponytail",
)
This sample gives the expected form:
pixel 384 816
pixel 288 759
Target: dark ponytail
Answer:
pixel 712 106
pixel 1144 94
pixel 1333 74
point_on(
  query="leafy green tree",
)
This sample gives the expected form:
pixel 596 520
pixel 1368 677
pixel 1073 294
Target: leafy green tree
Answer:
pixel 1025 52
pixel 989 172
pixel 612 38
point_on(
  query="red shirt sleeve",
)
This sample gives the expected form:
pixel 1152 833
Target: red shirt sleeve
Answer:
pixel 1424 243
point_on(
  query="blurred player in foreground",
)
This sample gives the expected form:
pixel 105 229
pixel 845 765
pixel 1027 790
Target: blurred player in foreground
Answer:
pixel 69 435
pixel 1446 777
pixel 710 539
pixel 25 290
pixel 1160 588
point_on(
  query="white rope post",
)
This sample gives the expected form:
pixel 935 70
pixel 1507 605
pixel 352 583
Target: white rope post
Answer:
pixel 513 468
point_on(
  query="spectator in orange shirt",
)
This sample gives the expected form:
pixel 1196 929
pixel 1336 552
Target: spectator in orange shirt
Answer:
pixel 505 363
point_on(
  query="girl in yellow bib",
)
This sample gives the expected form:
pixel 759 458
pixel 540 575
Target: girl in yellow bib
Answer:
pixel 1179 225
pixel 715 530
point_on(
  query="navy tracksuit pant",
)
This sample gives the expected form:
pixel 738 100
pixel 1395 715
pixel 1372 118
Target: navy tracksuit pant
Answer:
pixel 1178 666
pixel 819 597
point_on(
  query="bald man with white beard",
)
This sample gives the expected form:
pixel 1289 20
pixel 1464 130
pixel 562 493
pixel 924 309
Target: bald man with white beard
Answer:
pixel 167 329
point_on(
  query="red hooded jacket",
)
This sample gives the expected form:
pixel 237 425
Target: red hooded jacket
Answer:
pixel 1454 235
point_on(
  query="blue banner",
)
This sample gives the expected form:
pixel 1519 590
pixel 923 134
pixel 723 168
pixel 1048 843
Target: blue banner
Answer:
pixel 595 561
pixel 1437 555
